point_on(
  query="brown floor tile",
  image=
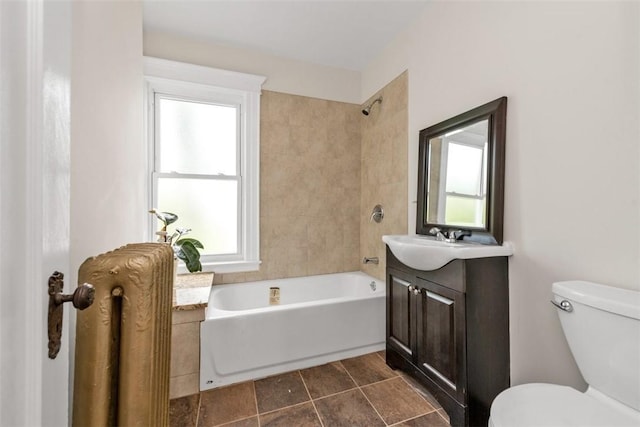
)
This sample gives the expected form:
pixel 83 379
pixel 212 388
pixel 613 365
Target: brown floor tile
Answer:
pixel 283 400
pixel 300 416
pixel 396 401
pixel 280 391
pixel 444 415
pixel 247 422
pixel 183 412
pixel 421 390
pixel 383 354
pixel 429 420
pixel 226 404
pixel 327 379
pixel 368 369
pixel 350 409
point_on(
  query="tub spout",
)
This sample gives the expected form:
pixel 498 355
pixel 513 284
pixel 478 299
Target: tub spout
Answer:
pixel 372 260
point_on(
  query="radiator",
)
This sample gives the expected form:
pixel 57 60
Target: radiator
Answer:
pixel 123 341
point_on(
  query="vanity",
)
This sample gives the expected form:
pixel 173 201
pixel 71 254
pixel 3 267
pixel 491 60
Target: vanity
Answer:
pixel 447 305
pixel 449 329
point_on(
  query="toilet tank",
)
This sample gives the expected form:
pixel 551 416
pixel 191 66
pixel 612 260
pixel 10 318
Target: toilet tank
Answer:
pixel 603 332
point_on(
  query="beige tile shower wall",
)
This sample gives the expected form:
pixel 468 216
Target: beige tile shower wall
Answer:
pixel 384 171
pixel 309 188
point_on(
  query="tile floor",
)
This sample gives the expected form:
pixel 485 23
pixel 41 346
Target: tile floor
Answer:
pixel 362 391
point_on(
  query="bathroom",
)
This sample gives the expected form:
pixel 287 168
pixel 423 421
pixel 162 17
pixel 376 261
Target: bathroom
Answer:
pixel 569 69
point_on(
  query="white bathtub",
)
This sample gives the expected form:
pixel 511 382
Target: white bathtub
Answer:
pixel 320 319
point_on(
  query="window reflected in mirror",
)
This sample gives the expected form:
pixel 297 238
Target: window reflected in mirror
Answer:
pixel 457 179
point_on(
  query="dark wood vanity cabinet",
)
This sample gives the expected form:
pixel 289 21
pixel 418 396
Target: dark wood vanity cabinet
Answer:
pixel 449 329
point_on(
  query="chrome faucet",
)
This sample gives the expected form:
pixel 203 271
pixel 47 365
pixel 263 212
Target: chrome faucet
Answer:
pixel 454 235
pixel 372 260
pixel 438 233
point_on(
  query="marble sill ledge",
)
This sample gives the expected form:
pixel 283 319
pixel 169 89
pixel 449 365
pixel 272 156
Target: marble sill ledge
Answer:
pixel 191 291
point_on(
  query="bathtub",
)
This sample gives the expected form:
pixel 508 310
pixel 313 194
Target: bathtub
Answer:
pixel 319 319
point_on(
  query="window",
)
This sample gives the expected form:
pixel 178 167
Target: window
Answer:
pixel 204 158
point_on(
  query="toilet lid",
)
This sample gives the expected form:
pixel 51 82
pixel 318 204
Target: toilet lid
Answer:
pixel 548 405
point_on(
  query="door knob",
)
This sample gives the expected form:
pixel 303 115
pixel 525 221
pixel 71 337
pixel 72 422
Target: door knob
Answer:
pixel 81 298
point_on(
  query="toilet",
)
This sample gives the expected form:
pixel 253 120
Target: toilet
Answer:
pixel 602 326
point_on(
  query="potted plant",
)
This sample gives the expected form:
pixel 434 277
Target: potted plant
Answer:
pixel 184 248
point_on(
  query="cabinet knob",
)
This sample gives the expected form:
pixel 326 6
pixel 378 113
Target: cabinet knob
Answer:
pixel 411 288
pixel 416 291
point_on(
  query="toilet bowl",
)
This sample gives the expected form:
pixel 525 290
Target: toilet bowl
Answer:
pixel 602 326
pixel 550 405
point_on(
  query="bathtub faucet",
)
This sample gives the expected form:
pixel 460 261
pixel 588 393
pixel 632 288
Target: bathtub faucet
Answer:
pixel 372 260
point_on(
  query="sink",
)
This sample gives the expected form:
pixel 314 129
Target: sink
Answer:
pixel 426 253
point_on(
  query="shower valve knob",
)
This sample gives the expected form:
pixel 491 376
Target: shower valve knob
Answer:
pixel 377 214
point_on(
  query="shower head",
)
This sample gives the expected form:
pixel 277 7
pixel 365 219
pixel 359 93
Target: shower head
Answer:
pixel 367 109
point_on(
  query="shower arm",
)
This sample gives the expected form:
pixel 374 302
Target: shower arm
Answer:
pixel 366 110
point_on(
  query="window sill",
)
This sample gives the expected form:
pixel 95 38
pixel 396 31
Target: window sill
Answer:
pixel 224 267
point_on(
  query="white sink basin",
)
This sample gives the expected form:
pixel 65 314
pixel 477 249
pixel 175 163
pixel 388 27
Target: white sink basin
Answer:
pixel 426 253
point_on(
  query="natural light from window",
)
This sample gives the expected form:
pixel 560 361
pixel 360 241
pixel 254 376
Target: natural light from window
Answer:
pixel 204 153
pixel 198 146
pixel 197 137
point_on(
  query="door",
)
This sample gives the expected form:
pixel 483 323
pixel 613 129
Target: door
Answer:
pixel 401 303
pixel 34 207
pixel 441 341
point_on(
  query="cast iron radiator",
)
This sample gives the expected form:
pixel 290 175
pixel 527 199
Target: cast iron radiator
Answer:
pixel 123 341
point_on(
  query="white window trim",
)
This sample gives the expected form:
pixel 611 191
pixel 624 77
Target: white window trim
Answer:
pixel 185 79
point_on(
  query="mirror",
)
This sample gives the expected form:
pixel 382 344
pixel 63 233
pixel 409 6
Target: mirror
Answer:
pixel 461 174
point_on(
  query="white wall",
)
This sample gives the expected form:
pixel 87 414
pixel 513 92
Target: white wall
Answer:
pixel 108 154
pixel 571 73
pixel 283 75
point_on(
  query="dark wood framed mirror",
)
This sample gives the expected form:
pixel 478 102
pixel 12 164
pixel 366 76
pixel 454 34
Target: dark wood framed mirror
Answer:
pixel 461 174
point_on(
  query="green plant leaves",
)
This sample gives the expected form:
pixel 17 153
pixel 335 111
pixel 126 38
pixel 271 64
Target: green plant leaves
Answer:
pixel 195 242
pixel 186 250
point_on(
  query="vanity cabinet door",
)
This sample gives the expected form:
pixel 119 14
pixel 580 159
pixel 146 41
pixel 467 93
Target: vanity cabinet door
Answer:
pixel 441 341
pixel 401 308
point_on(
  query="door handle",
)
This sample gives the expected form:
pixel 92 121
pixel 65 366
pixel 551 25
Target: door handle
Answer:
pixel 81 298
pixel 414 289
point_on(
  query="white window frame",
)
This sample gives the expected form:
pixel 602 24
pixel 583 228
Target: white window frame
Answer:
pixel 197 82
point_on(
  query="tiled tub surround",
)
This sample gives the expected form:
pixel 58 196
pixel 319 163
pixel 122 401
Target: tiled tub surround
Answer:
pixel 384 171
pixel 361 391
pixel 185 352
pixel 309 188
pixel 323 167
pixel 190 297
